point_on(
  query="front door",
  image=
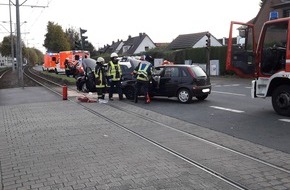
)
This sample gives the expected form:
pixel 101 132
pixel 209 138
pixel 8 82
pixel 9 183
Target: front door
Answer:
pixel 240 53
pixel 169 81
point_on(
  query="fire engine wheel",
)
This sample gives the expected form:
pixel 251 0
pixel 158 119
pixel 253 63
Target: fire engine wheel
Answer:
pixel 281 100
pixel 129 93
pixel 184 96
pixel 55 70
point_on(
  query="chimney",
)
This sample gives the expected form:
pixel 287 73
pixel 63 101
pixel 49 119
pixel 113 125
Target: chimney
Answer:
pixel 129 37
pixel 140 35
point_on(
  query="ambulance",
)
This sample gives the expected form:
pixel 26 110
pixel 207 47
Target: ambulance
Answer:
pixel 50 61
pixel 74 57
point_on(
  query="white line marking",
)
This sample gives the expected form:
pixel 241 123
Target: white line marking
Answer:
pixel 285 120
pixel 228 93
pixel 227 109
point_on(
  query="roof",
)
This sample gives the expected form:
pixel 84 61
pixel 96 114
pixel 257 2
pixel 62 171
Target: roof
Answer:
pixel 113 48
pixel 134 43
pixel 184 41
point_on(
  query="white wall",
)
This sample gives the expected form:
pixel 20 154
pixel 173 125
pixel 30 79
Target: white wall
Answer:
pixel 146 43
pixel 202 42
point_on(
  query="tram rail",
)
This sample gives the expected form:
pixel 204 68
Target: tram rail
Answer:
pixel 232 166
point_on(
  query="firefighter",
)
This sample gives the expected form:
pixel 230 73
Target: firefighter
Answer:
pixel 67 66
pixel 100 75
pixel 114 75
pixel 143 74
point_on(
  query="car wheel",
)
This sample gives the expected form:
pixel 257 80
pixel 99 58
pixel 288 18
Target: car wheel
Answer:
pixel 281 100
pixel 129 93
pixel 184 96
pixel 84 87
pixel 203 97
pixel 55 71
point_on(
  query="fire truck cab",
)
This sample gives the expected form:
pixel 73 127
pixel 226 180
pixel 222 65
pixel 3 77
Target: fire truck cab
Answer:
pixel 267 62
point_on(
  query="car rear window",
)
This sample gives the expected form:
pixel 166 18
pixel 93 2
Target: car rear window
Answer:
pixel 198 71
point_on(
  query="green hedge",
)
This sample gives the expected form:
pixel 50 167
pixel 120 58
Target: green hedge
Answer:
pixel 197 55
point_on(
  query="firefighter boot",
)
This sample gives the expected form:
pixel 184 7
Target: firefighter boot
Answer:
pixel 147 99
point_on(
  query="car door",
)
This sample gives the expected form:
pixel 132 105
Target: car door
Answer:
pixel 169 81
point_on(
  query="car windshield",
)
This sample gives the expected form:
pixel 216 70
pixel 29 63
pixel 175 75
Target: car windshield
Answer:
pixel 198 71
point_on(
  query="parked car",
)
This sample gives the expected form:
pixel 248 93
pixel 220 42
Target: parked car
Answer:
pixel 86 82
pixel 181 81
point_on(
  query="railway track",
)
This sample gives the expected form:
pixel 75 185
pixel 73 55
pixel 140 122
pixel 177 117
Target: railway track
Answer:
pixel 251 167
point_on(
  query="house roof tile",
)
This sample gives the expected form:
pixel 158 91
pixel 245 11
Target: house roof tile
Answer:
pixel 186 40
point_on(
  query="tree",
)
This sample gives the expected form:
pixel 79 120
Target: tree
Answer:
pixel 56 39
pixel 5 48
pixel 73 36
pixel 32 55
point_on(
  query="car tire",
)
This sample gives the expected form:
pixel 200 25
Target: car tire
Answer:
pixel 203 97
pixel 281 100
pixel 129 93
pixel 84 87
pixel 184 96
pixel 55 70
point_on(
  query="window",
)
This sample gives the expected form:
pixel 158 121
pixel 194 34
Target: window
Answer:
pixel 171 72
pixel 286 13
pixel 274 48
pixel 126 48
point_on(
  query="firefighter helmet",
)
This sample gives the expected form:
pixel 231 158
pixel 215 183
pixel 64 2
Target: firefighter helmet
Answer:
pixel 100 59
pixel 114 55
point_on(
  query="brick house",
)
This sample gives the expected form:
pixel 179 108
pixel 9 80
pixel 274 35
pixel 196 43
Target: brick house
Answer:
pixel 282 7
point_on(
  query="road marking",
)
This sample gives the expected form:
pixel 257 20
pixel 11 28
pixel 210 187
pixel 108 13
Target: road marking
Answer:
pixel 285 120
pixel 225 85
pixel 227 109
pixel 229 93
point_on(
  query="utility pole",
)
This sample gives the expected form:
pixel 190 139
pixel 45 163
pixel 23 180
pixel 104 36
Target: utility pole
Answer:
pixel 11 38
pixel 18 43
pixel 18 47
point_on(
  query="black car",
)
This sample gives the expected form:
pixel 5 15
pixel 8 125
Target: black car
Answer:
pixel 181 81
pixel 86 82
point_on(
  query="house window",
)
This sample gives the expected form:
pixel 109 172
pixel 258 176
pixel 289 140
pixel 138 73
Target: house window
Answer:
pixel 286 13
pixel 126 48
pixel 146 48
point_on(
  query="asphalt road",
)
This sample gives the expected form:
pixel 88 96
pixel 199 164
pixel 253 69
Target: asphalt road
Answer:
pixel 230 109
